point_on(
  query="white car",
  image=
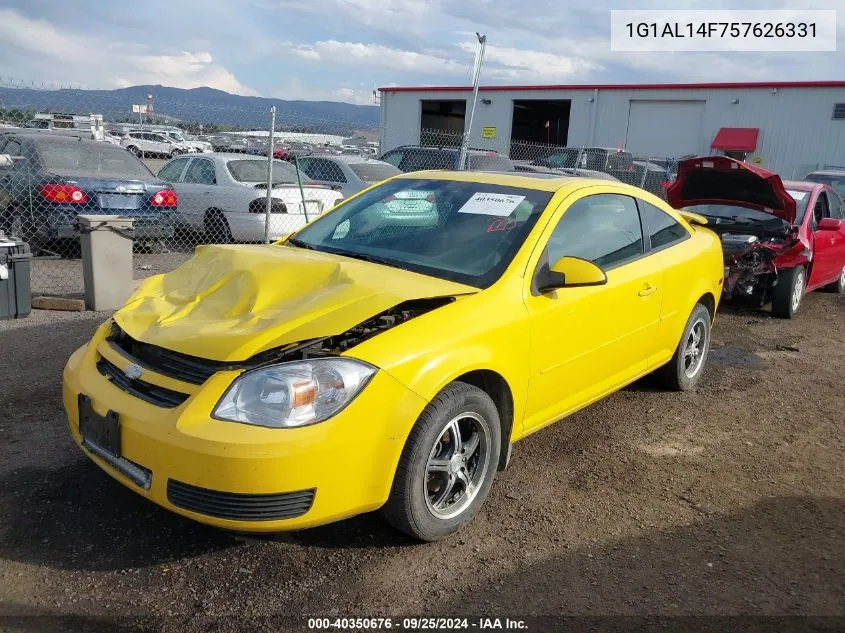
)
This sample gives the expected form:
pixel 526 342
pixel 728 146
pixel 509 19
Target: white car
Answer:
pixel 349 173
pixel 198 146
pixel 224 196
pixel 154 144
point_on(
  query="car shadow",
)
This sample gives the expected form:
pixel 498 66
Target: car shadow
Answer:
pixel 75 517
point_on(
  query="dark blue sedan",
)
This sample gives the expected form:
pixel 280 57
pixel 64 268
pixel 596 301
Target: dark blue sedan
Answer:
pixel 47 180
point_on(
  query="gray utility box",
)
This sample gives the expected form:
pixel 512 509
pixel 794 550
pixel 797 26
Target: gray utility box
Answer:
pixel 15 294
pixel 106 260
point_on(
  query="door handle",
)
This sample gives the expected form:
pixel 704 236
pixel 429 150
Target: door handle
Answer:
pixel 649 289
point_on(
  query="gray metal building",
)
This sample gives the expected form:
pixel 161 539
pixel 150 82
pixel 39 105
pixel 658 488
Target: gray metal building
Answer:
pixel 788 127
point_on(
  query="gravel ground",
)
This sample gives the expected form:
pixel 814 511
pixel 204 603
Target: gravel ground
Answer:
pixel 727 500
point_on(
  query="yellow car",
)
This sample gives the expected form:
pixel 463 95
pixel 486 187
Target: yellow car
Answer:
pixel 384 357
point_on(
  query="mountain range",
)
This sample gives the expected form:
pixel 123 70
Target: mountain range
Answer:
pixel 196 105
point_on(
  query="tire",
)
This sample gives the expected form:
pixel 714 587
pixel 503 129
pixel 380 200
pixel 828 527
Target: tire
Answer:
pixel 217 230
pixel 789 292
pixel 837 286
pixel 685 369
pixel 428 498
pixel 136 151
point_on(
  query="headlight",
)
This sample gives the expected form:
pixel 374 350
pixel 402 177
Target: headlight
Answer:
pixel 294 394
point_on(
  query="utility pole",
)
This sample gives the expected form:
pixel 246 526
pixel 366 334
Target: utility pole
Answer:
pixel 479 60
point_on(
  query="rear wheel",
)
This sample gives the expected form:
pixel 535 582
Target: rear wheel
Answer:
pixel 838 285
pixel 789 292
pixel 448 464
pixel 687 365
pixel 217 230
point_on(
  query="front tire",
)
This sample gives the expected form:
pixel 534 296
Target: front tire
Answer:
pixel 448 464
pixel 789 292
pixel 685 369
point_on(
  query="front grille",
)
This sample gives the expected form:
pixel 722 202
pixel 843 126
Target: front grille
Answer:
pixel 240 507
pixel 163 361
pixel 146 391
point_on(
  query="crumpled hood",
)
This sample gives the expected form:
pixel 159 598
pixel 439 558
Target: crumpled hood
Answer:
pixel 228 303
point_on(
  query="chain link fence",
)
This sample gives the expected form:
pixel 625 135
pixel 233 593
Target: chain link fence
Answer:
pixel 206 172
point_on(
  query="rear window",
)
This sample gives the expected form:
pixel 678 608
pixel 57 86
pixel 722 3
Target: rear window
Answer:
pixel 373 172
pixel 91 158
pixel 489 163
pixel 256 171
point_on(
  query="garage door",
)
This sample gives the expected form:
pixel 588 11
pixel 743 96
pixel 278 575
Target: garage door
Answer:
pixel 664 128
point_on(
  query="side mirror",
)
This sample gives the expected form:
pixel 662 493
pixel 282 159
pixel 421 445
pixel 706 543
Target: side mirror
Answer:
pixel 826 224
pixel 5 160
pixel 571 272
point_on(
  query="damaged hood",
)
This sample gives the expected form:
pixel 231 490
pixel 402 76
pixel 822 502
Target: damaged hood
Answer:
pixel 723 180
pixel 228 303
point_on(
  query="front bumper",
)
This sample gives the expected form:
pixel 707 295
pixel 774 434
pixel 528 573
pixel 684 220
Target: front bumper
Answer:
pixel 249 227
pixel 228 474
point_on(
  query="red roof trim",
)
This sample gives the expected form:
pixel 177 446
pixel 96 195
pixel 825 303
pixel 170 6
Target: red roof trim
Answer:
pixel 699 86
pixel 737 139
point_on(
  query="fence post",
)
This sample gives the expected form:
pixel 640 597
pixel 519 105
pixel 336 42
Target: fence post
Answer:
pixel 301 190
pixel 578 159
pixel 645 172
pixel 269 175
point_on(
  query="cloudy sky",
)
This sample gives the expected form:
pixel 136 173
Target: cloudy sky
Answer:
pixel 341 49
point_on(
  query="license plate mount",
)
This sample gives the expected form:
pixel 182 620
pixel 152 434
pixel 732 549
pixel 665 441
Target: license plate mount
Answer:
pixel 102 430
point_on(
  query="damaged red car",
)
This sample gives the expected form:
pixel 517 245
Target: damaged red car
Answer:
pixel 780 239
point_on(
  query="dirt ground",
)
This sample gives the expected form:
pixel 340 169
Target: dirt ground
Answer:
pixel 724 501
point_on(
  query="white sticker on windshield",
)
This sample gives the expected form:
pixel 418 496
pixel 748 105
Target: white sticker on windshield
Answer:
pixel 798 195
pixel 499 204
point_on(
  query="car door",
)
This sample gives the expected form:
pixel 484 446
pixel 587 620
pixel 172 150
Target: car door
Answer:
pixel 828 245
pixel 172 172
pixel 588 341
pixel 199 188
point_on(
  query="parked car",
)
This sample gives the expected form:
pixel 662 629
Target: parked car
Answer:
pixel 527 166
pixel 781 240
pixel 833 177
pixel 372 360
pixel 154 144
pixel 417 158
pixel 197 145
pixel 47 180
pixel 350 174
pixel 223 196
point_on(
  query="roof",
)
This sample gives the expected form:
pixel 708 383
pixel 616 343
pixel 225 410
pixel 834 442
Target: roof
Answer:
pixel 801 185
pixel 828 172
pixel 526 180
pixel 349 159
pixel 69 136
pixel 663 86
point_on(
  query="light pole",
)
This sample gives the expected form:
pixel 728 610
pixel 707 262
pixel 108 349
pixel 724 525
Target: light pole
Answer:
pixel 479 60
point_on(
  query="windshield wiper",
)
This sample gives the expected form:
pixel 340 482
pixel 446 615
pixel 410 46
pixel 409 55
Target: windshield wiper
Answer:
pixel 368 258
pixel 300 244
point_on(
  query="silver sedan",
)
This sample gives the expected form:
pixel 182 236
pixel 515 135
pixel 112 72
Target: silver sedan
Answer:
pixel 349 173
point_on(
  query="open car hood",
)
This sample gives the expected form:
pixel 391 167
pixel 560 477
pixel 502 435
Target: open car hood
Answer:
pixel 229 303
pixel 723 180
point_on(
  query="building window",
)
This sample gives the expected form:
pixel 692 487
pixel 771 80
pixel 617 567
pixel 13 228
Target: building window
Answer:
pixel 839 111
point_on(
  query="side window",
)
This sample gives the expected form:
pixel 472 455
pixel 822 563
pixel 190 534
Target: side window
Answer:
pixel 201 172
pixel 394 158
pixel 662 228
pixel 308 167
pixel 836 207
pixel 419 160
pixel 172 170
pixel 604 229
pixel 821 209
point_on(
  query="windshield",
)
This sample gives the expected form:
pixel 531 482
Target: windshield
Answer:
pixel 256 171
pixel 742 214
pixel 176 136
pixel 95 159
pixel 374 172
pixel 460 231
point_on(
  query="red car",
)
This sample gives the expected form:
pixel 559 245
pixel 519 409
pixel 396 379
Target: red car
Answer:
pixel 781 240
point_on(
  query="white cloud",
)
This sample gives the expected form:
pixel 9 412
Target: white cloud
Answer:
pixel 522 64
pixel 39 51
pixel 361 55
pixel 295 90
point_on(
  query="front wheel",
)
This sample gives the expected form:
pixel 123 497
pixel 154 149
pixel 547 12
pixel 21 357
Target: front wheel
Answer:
pixel 789 292
pixel 684 371
pixel 448 464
